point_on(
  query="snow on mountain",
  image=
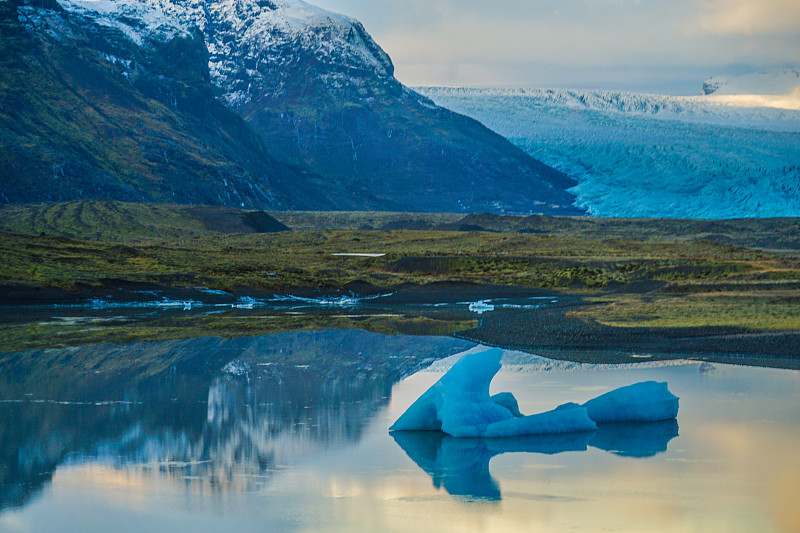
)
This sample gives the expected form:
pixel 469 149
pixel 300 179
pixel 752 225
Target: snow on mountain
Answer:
pixel 137 20
pixel 113 100
pixel 248 40
pixel 638 155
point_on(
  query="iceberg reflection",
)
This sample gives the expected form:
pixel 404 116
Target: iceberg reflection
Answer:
pixel 461 465
pixel 641 439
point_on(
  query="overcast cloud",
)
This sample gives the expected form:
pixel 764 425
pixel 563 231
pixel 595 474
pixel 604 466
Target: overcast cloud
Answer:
pixel 657 45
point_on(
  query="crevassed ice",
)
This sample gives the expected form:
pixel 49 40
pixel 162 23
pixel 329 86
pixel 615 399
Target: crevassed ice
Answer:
pixel 640 155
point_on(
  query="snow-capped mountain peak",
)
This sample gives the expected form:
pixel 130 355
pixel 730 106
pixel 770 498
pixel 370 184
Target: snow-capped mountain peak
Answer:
pixel 249 41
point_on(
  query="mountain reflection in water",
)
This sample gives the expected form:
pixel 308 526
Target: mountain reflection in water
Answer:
pixel 220 415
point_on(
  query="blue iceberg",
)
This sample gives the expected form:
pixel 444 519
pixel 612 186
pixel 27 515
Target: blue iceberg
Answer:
pixel 648 401
pixel 459 405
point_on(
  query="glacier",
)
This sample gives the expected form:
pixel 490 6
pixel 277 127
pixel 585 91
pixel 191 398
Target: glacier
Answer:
pixel 459 405
pixel 640 155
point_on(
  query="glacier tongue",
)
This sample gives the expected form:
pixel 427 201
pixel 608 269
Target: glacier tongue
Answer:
pixel 638 155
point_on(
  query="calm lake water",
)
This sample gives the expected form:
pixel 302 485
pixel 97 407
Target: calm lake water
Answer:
pixel 229 437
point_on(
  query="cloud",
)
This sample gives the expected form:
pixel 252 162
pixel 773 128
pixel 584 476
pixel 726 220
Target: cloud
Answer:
pixel 475 42
pixel 750 17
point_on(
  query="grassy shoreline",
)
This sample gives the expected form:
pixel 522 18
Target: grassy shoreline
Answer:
pixel 659 278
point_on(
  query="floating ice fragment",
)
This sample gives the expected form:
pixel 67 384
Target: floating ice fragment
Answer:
pixel 648 401
pixel 344 301
pixel 247 302
pixel 480 307
pixel 459 405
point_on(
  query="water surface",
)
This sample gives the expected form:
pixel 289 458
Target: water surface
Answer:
pixel 234 435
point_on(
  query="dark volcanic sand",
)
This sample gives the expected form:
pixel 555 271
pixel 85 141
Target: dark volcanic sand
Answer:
pixel 545 331
pixel 548 331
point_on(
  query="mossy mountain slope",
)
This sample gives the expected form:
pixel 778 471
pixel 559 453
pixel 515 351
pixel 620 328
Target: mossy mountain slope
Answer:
pixel 87 113
pixel 114 221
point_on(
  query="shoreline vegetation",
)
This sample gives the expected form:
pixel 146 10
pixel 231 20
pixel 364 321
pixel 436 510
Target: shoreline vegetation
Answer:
pixel 626 289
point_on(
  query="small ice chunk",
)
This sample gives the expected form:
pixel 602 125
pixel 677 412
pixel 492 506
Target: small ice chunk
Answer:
pixel 648 401
pixel 481 307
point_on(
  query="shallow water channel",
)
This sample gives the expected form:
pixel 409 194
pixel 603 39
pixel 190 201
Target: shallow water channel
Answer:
pixel 233 435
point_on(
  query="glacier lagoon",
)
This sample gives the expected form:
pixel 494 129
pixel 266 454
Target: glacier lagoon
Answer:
pixel 209 445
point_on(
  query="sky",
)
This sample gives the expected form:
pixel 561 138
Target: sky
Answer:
pixel 666 46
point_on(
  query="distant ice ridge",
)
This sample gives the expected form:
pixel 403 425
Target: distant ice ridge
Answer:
pixel 344 301
pixel 696 109
pixel 766 82
pixel 517 362
pixel 459 405
pixel 640 155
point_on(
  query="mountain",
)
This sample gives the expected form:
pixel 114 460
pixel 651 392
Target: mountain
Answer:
pixel 88 113
pixel 775 82
pixel 260 104
pixel 641 155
